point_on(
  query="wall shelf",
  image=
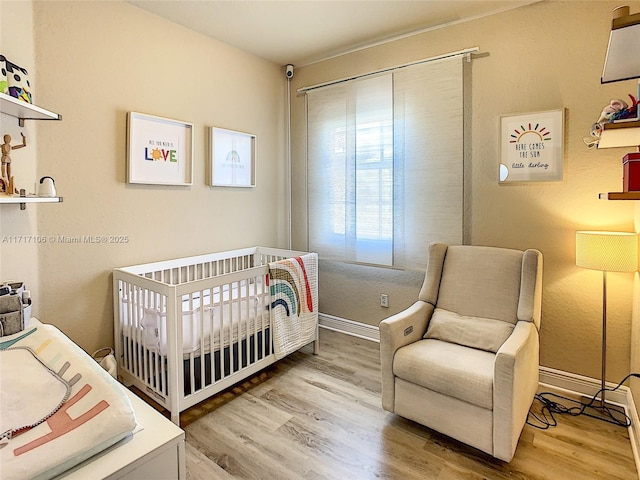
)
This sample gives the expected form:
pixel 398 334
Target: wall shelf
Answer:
pixel 22 201
pixel 621 124
pixel 620 196
pixel 25 111
pixel 620 134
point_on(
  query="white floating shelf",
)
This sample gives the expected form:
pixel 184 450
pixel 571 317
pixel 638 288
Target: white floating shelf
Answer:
pixel 22 201
pixel 28 199
pixel 25 111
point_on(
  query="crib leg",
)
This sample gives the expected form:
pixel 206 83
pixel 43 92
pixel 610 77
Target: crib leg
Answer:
pixel 175 418
pixel 316 347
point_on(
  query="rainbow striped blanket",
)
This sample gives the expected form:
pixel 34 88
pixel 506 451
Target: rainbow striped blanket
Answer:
pixel 293 285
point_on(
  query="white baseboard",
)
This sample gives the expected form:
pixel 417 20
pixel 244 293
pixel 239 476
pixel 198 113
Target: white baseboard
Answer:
pixel 582 385
pixel 559 379
pixel 634 432
pixel 356 329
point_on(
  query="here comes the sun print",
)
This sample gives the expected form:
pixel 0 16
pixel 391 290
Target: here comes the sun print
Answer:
pixel 532 147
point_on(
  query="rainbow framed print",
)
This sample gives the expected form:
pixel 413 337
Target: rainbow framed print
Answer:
pixel 233 158
pixel 532 147
pixel 159 150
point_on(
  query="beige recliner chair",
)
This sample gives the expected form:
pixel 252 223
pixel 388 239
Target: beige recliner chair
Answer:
pixel 463 360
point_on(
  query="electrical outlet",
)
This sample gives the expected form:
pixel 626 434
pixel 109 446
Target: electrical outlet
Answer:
pixel 384 300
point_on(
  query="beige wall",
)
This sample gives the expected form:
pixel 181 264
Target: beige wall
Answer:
pixel 96 61
pixel 19 257
pixel 540 57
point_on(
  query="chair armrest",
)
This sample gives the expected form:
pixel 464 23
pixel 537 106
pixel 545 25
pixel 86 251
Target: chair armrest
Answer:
pixel 397 331
pixel 515 384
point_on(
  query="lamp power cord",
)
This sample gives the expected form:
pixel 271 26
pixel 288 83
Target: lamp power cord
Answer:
pixel 551 406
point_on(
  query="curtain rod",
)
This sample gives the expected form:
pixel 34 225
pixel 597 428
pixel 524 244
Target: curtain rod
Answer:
pixel 466 51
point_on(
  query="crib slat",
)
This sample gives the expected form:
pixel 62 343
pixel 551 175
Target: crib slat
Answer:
pixel 223 328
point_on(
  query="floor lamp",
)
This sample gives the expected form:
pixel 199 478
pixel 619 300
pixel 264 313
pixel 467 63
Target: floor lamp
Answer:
pixel 607 252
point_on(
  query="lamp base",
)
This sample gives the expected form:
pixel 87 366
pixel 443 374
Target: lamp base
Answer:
pixel 607 411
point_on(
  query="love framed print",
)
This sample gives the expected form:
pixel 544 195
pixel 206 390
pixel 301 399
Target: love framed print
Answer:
pixel 531 147
pixel 233 158
pixel 159 150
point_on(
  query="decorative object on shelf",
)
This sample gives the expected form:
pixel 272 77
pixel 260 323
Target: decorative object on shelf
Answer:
pixel 594 136
pixel 631 172
pixel 622 61
pixel 607 252
pixel 4 85
pixel 619 111
pixel 47 187
pixel 233 158
pixel 14 80
pixel 6 160
pixel 532 147
pixel 159 150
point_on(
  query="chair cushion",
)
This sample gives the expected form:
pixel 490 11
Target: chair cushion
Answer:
pixel 447 368
pixel 481 281
pixel 475 332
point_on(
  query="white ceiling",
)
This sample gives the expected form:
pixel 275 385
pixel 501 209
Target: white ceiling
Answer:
pixel 303 31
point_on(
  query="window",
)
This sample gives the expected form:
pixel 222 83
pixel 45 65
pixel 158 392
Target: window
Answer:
pixel 385 165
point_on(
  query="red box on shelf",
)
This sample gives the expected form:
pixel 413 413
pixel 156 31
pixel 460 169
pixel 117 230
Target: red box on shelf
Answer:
pixel 631 172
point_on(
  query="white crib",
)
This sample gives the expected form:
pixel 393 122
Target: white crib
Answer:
pixel 188 328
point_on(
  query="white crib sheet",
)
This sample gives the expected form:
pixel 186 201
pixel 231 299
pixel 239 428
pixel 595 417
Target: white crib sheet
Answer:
pixel 241 313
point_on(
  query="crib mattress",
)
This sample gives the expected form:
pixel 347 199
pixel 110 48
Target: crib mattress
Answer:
pixel 198 337
pixel 206 326
pixel 96 415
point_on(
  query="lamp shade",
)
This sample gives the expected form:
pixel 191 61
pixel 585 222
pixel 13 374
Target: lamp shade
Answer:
pixel 623 52
pixel 607 251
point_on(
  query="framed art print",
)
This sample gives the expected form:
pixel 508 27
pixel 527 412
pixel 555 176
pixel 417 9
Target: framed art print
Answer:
pixel 233 158
pixel 531 147
pixel 159 150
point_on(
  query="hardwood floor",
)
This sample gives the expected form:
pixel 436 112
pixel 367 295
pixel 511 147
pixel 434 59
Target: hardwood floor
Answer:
pixel 319 417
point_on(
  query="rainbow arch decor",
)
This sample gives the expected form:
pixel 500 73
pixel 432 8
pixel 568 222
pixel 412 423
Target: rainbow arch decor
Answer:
pixel 293 288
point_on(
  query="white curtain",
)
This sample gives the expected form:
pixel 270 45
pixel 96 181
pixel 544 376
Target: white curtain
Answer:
pixel 385 165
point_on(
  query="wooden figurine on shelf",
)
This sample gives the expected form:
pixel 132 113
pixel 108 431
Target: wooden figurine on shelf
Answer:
pixel 6 160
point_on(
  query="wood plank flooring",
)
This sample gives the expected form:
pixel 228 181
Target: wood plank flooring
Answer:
pixel 319 417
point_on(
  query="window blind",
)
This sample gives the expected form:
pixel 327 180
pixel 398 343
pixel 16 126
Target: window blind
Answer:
pixel 385 164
